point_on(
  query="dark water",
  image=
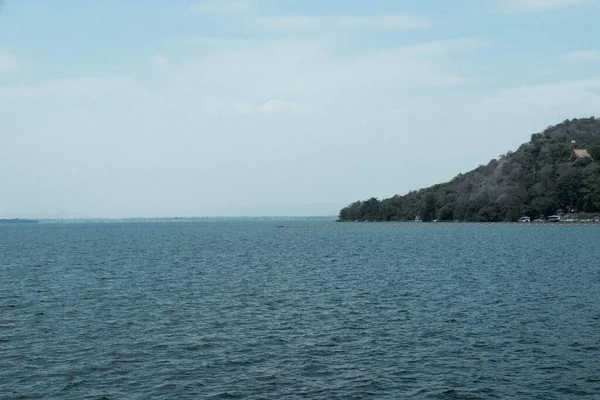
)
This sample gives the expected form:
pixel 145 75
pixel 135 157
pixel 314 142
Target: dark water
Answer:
pixel 245 310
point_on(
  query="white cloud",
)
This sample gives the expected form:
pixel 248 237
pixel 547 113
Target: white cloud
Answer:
pixel 343 22
pixel 300 22
pixel 303 72
pixel 84 89
pixel 8 62
pixel 223 6
pixel 221 106
pixel 583 56
pixel 282 106
pixel 448 46
pixel 557 100
pixel 161 61
pixel 519 6
pixel 208 41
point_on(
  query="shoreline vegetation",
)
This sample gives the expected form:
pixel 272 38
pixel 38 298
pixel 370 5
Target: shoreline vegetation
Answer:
pixel 390 224
pixel 555 174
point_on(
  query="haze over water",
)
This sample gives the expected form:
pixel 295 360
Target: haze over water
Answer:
pixel 241 309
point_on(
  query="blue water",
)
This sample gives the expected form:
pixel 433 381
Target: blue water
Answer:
pixel 243 309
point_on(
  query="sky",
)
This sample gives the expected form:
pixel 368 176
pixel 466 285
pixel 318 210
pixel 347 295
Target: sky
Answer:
pixel 274 107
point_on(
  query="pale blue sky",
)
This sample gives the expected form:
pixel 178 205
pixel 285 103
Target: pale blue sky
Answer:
pixel 274 107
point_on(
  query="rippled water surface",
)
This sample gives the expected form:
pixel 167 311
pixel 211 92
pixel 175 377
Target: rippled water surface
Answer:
pixel 242 309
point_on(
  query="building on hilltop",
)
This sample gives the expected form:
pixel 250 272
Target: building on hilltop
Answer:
pixel 580 154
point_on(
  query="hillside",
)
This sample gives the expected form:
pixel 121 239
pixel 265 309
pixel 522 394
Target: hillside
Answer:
pixel 535 180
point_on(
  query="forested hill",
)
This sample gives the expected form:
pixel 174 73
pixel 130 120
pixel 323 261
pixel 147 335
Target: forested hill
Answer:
pixel 536 180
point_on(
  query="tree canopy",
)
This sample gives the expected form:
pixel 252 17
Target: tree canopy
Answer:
pixel 536 180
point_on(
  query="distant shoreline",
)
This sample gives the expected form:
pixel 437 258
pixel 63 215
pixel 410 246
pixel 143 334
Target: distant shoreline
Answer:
pixel 18 221
pixel 93 220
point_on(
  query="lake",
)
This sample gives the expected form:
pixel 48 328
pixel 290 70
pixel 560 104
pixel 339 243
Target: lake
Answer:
pixel 242 309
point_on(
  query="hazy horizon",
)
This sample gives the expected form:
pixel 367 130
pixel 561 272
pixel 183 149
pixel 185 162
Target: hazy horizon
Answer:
pixel 280 211
pixel 261 107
